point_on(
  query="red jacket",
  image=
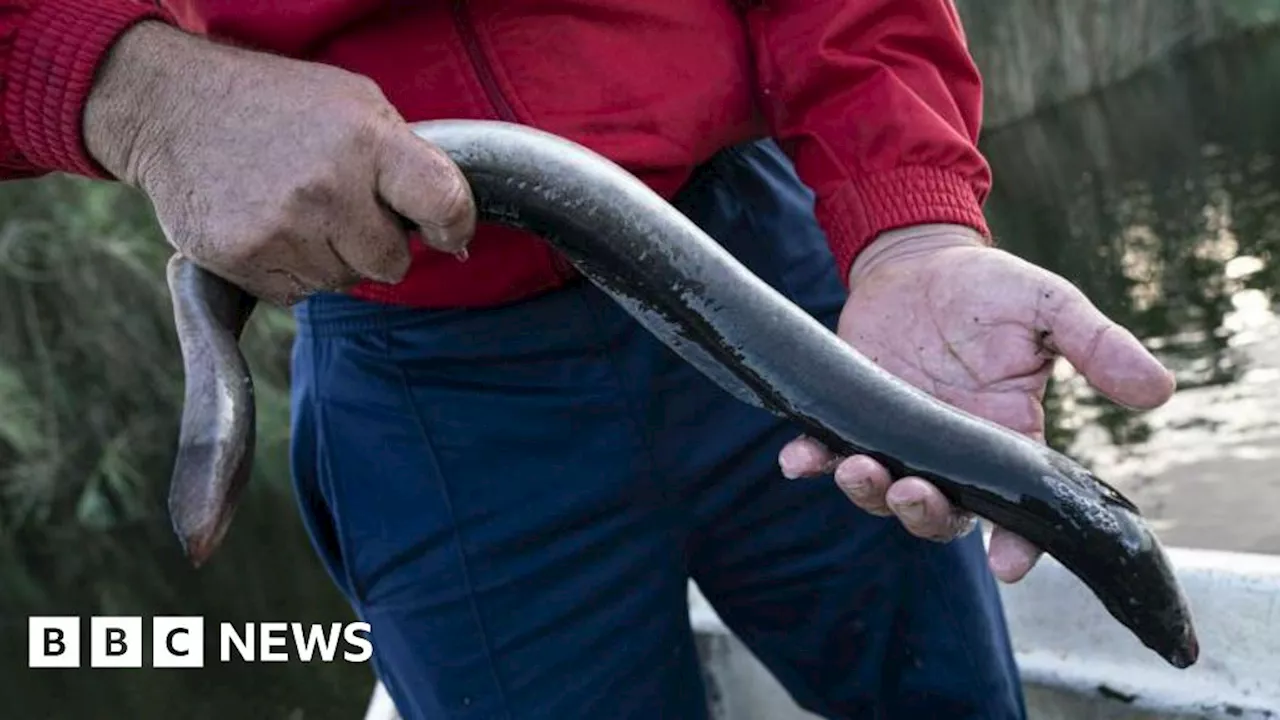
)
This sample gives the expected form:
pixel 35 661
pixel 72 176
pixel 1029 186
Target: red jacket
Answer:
pixel 877 101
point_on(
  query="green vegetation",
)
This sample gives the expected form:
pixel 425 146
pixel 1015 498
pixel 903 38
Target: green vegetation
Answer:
pixel 90 402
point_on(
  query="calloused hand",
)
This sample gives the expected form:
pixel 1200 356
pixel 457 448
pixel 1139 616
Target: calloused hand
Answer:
pixel 978 328
pixel 283 176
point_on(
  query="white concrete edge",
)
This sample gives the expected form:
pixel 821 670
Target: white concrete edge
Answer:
pixel 381 706
pixel 1065 639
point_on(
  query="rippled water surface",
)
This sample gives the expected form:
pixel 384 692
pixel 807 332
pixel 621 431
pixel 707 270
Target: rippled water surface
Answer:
pixel 1160 198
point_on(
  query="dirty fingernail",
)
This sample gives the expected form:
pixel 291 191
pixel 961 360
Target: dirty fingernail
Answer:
pixel 795 459
pixel 787 462
pixel 1006 569
pixel 855 484
pixel 911 513
pixel 859 486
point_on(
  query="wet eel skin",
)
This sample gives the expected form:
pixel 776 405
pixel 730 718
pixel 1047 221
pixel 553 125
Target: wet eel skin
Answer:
pixel 711 310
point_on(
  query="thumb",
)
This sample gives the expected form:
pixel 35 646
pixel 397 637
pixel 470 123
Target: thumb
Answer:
pixel 1108 355
pixel 419 181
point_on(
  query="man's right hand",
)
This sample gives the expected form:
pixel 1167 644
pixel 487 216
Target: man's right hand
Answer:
pixel 284 177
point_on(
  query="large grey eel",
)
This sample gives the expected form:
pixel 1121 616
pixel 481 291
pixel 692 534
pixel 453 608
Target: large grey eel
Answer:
pixel 749 339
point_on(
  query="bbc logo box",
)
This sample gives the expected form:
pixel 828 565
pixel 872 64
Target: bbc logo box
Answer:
pixel 53 642
pixel 115 642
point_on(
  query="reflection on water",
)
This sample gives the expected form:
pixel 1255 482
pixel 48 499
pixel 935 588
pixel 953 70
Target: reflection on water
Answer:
pixel 1161 199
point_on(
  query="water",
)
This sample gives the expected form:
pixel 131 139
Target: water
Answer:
pixel 1160 198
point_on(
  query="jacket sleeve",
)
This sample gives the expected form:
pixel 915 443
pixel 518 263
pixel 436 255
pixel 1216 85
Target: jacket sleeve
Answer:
pixel 49 53
pixel 879 104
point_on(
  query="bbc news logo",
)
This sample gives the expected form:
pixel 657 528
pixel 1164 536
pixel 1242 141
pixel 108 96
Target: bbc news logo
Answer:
pixel 179 642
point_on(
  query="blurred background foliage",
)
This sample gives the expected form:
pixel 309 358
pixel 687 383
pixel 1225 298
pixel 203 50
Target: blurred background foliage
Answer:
pixel 90 402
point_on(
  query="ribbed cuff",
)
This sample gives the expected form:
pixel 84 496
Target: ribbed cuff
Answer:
pixel 854 213
pixel 51 69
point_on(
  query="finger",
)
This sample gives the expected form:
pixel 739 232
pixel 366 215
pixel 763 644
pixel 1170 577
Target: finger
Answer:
pixel 805 457
pixel 274 272
pixel 865 482
pixel 1109 356
pixel 308 259
pixel 417 180
pixel 274 286
pixel 924 511
pixel 378 248
pixel 1010 556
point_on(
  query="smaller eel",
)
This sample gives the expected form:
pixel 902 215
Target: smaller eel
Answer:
pixel 219 423
pixel 752 341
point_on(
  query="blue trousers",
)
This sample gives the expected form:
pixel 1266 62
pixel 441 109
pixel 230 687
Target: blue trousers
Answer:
pixel 515 498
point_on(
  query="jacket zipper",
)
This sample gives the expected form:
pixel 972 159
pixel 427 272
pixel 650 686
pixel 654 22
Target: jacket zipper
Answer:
pixel 484 72
pixel 479 62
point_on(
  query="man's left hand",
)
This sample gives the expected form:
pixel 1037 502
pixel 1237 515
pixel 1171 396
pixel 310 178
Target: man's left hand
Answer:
pixel 978 328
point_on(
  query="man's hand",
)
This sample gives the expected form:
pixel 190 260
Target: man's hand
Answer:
pixel 978 328
pixel 285 177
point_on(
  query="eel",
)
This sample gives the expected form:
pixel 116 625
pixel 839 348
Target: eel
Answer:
pixel 700 301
